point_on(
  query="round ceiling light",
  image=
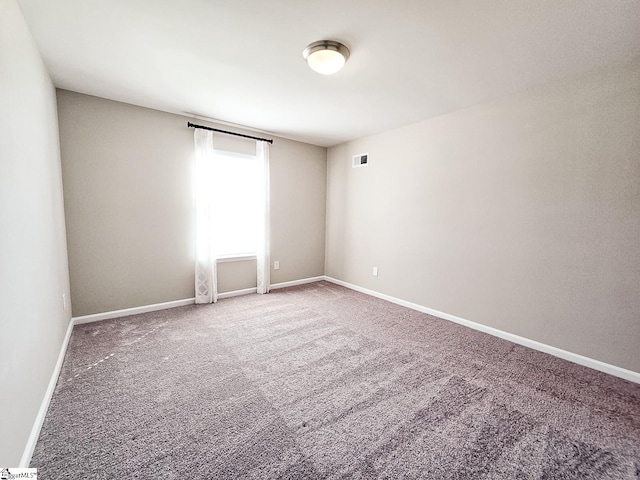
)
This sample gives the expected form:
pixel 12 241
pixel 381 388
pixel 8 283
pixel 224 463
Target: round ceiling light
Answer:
pixel 326 56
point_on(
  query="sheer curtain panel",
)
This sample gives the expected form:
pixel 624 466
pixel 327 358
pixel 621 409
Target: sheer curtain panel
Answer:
pixel 263 254
pixel 206 280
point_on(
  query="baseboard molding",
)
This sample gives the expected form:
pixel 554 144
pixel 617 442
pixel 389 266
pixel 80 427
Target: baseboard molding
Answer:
pixel 96 317
pixel 275 286
pixel 237 293
pixel 44 406
pixel 293 283
pixel 526 342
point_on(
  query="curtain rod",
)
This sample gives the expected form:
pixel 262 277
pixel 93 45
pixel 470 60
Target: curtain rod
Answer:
pixel 193 125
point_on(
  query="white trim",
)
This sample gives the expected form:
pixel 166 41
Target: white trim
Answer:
pixel 542 347
pixel 293 283
pixel 236 258
pixel 96 317
pixel 44 406
pixel 246 291
pixel 237 293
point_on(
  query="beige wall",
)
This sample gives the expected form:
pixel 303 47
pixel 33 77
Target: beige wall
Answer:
pixel 127 174
pixel 33 253
pixel 298 209
pixel 523 215
pixel 233 276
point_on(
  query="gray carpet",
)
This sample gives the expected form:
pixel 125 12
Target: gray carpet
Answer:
pixel 319 381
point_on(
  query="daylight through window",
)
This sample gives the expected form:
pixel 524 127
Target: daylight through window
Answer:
pixel 235 191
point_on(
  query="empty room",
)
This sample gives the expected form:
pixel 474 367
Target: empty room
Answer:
pixel 320 240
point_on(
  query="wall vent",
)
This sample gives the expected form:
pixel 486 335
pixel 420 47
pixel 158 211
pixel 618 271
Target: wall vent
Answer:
pixel 361 160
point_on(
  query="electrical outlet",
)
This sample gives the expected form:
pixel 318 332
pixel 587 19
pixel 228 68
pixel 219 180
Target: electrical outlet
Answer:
pixel 375 271
pixel 64 301
pixel 276 265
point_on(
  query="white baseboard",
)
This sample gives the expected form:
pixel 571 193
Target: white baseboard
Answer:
pixel 542 347
pixel 131 311
pixel 275 286
pixel 96 317
pixel 237 293
pixel 293 283
pixel 44 406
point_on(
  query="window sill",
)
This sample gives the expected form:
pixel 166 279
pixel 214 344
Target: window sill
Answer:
pixel 235 258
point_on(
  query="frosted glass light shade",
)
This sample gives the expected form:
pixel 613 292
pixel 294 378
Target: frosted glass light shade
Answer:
pixel 326 56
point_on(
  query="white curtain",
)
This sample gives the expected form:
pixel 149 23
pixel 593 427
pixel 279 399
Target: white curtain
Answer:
pixel 206 261
pixel 263 255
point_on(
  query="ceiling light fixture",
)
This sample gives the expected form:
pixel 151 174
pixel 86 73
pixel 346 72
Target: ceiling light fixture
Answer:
pixel 326 56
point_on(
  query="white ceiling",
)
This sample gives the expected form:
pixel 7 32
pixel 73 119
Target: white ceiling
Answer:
pixel 240 61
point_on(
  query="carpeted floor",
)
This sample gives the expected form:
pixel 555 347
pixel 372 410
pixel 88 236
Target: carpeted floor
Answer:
pixel 318 381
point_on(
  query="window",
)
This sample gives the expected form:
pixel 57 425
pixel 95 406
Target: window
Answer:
pixel 235 191
pixel 231 212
